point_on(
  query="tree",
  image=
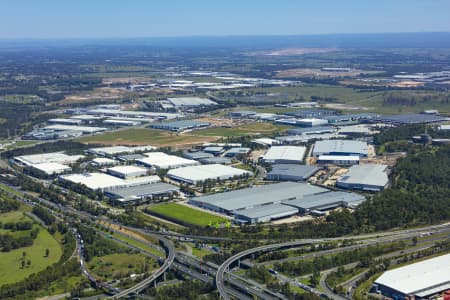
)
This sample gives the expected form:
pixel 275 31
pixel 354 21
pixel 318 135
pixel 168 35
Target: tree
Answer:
pixel 28 263
pixel 47 252
pixel 22 264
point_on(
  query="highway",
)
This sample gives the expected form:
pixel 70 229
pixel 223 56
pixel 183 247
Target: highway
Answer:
pixel 237 285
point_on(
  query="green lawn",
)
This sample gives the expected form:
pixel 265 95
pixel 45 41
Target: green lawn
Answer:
pixel 186 214
pixel 10 262
pixel 13 216
pixel 143 136
pixel 120 265
pixel 257 128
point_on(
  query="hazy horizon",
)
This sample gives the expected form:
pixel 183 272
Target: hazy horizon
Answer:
pixel 83 19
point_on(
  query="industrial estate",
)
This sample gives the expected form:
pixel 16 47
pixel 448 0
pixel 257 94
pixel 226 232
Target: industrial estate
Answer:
pixel 264 169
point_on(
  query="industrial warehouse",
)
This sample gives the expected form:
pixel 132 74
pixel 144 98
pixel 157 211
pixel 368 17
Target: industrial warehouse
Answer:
pixel 196 174
pixel 140 193
pixel 179 126
pixel 340 147
pixel 284 155
pixel 291 172
pixel 262 203
pixel 368 177
pixel 161 160
pixel 55 157
pixel 421 280
pixel 100 181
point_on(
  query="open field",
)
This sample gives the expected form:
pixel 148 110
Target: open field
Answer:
pixel 154 137
pixel 175 211
pixel 145 136
pixel 368 100
pixel 10 262
pixel 257 128
pixel 120 265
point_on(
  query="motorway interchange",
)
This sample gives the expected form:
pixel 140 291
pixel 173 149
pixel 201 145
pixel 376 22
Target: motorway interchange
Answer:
pixel 229 284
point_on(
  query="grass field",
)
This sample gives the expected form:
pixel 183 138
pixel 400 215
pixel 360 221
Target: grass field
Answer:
pixel 144 136
pixel 10 262
pixel 186 214
pixel 120 265
pixel 147 136
pixel 258 128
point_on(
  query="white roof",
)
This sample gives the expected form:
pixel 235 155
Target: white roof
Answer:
pixel 126 170
pixel 84 129
pixel 142 180
pixel 64 120
pixel 120 149
pixel 204 172
pixel 419 278
pixel 190 101
pixel 51 168
pixel 95 181
pixel 104 161
pixel 340 146
pixel 162 160
pixel 265 141
pixel 275 153
pixel 339 157
pixel 117 112
pixel 54 157
pixel 86 117
pixel 369 174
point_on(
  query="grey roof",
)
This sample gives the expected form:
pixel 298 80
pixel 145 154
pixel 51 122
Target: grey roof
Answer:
pixel 327 200
pixel 180 125
pixel 139 191
pixel 340 147
pixel 197 155
pixel 369 174
pixel 310 130
pixel 266 210
pixel 350 117
pixel 259 195
pixel 311 113
pixel 301 171
pixel 215 160
pixel 412 118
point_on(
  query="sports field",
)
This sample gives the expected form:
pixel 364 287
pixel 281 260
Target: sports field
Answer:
pixel 177 212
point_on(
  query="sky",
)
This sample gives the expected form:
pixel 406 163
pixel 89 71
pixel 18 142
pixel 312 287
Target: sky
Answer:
pixel 22 19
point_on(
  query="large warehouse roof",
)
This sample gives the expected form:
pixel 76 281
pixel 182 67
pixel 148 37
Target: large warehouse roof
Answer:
pixel 412 119
pixel 291 171
pixel 325 201
pixel 266 194
pixel 94 181
pixel 421 279
pixel 191 101
pixel 142 191
pixel 340 147
pixel 284 153
pixel 162 160
pixel 84 129
pixel 369 176
pixel 271 211
pixel 180 125
pixel 113 150
pixel 127 171
pixel 54 157
pixel 51 168
pixel 196 174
